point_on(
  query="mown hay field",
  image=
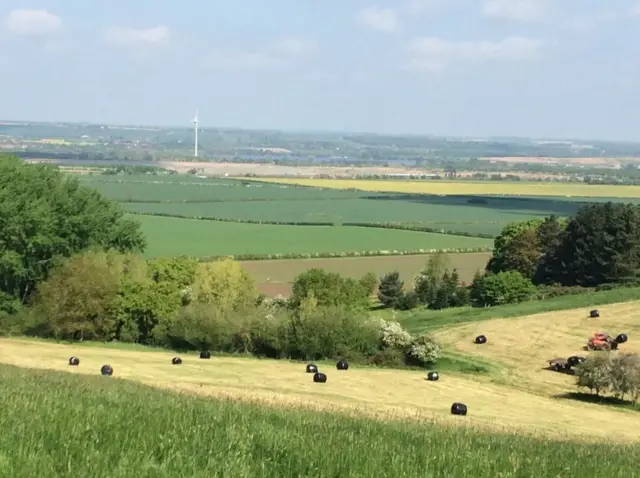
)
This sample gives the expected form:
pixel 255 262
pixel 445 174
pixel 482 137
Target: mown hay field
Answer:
pixel 106 427
pixel 275 277
pixel 523 345
pixel 371 392
pixel 467 187
pixel 173 237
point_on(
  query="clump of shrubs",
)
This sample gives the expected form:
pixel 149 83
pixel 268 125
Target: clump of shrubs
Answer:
pixel 613 373
pixel 420 350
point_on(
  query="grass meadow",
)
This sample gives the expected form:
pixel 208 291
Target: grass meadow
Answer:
pixel 173 236
pixel 105 427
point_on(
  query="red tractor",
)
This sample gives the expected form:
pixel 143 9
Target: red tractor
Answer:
pixel 603 341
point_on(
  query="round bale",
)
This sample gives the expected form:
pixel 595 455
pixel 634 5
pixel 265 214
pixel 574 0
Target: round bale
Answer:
pixel 176 361
pixel 458 409
pixel 312 368
pixel 622 338
pixel 481 339
pixel 205 354
pixel 433 376
pixel 594 314
pixel 106 370
pixel 319 377
pixel 342 365
pixel 573 361
pixel 75 361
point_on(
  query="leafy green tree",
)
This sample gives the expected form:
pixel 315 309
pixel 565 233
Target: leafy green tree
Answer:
pixel 177 270
pixel 501 249
pixel 601 245
pixel 407 301
pixel 46 216
pixel 224 284
pixel 369 281
pixel 502 288
pixel 78 300
pixel 428 282
pixel 550 236
pixel 329 289
pixel 390 289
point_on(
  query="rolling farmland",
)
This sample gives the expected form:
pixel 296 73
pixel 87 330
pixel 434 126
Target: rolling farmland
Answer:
pixel 297 221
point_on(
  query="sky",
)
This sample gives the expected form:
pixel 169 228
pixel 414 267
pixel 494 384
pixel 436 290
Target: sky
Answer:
pixel 533 68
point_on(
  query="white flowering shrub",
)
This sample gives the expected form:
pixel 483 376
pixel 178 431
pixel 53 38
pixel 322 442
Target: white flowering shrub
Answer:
pixel 424 350
pixel 394 336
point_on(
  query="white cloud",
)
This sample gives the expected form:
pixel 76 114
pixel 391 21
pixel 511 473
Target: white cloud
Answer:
pixel 436 54
pixel 516 10
pixel 137 37
pixel 32 22
pixel 380 19
pixel 281 53
pixel 420 6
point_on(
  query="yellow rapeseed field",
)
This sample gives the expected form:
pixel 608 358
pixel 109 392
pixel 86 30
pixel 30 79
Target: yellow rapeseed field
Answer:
pixel 520 396
pixel 466 187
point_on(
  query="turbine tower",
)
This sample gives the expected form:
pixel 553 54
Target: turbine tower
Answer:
pixel 195 131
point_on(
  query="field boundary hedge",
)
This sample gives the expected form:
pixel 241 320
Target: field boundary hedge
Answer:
pixel 378 225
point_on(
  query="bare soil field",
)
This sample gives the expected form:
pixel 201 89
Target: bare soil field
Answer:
pixel 275 277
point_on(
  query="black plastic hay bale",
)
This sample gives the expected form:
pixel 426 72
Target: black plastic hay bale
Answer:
pixel 75 361
pixel 319 377
pixel 342 365
pixel 481 339
pixel 205 354
pixel 312 368
pixel 594 314
pixel 622 338
pixel 106 370
pixel 458 409
pixel 176 361
pixel 433 376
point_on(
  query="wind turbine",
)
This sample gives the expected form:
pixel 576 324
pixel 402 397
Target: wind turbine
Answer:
pixel 195 131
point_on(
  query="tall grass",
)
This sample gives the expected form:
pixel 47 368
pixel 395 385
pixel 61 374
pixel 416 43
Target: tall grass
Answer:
pixel 426 320
pixel 57 424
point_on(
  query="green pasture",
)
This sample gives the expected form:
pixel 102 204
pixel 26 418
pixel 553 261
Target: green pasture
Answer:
pixel 173 236
pixel 58 424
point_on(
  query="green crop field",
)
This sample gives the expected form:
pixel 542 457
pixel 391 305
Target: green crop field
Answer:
pixel 186 188
pixel 105 427
pixel 253 201
pixel 172 236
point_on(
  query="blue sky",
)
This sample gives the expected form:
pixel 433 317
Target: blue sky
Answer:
pixel 541 68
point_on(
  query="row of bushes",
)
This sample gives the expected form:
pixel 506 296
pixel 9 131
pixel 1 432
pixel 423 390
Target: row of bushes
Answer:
pixel 337 255
pixel 182 304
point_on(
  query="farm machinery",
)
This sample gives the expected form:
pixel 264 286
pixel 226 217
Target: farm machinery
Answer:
pixel 565 365
pixel 604 341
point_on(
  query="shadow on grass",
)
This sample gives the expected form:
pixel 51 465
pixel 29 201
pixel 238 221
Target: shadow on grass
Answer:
pixel 542 206
pixel 599 400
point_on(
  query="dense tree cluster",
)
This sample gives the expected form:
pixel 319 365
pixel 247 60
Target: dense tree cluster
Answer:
pixel 46 216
